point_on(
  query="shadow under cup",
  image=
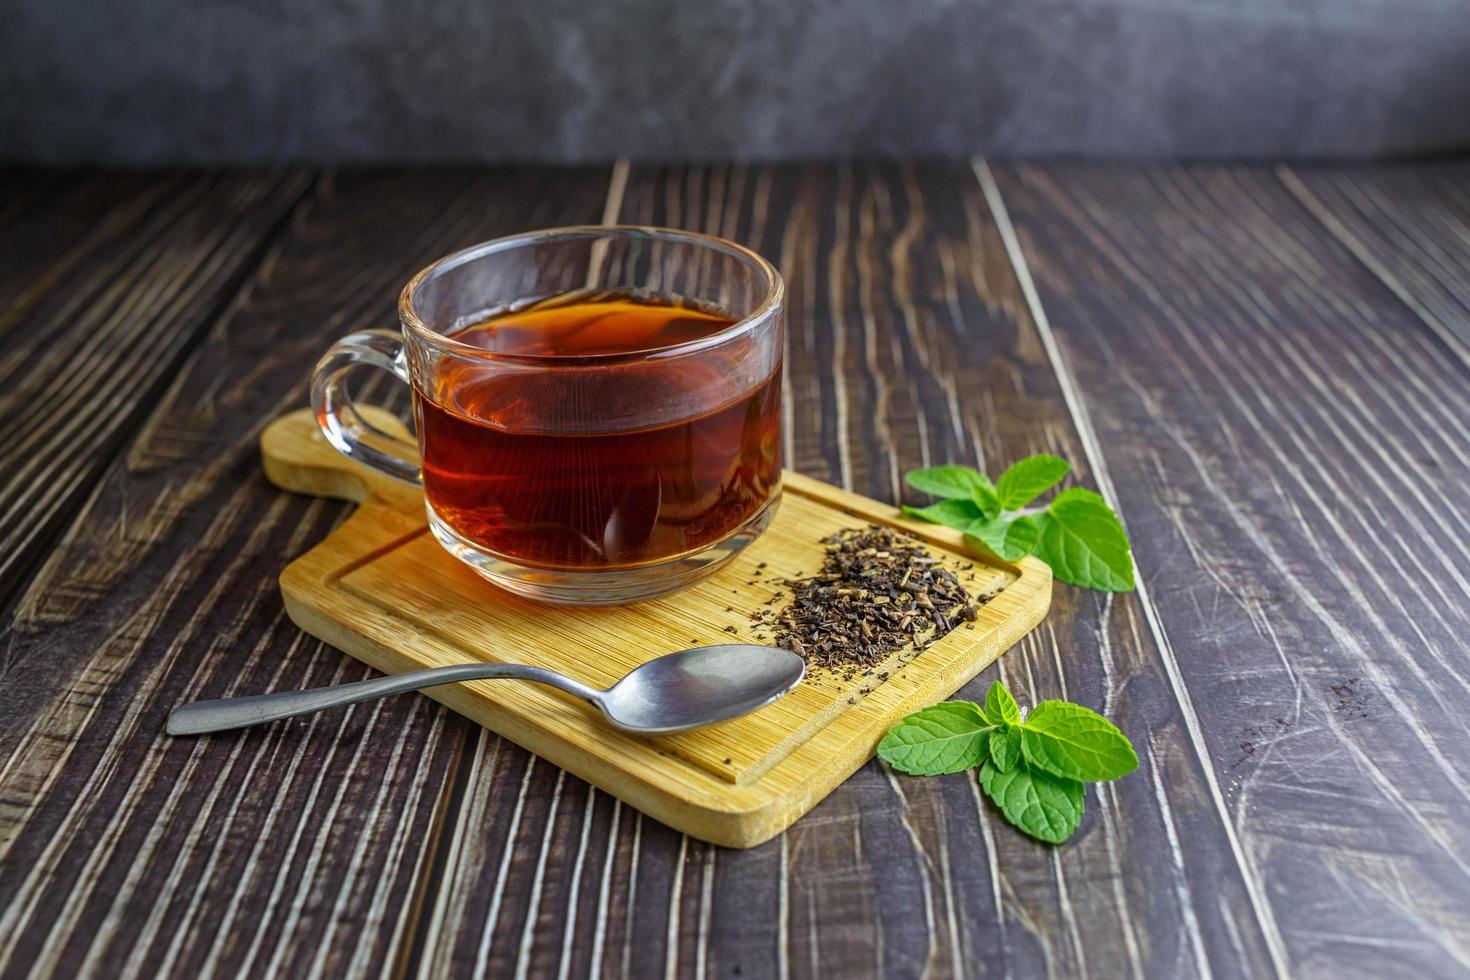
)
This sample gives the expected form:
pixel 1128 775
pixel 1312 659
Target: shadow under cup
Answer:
pixel 598 409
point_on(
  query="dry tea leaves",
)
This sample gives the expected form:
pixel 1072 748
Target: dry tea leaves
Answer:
pixel 878 591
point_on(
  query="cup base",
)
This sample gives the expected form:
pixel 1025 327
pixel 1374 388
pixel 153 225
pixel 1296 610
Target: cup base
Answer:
pixel 603 588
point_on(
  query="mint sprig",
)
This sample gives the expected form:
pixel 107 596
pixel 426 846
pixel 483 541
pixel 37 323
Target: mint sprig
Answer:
pixel 1077 534
pixel 1032 768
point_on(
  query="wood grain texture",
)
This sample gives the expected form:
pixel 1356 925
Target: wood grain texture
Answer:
pixel 910 344
pixel 107 283
pixel 1257 365
pixel 383 589
pixel 1410 225
pixel 304 850
pixel 1288 443
pixel 50 221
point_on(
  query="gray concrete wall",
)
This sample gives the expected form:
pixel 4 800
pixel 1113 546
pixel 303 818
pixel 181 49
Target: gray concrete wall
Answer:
pixel 372 81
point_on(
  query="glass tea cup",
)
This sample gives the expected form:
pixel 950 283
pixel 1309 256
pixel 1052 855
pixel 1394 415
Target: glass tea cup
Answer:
pixel 597 409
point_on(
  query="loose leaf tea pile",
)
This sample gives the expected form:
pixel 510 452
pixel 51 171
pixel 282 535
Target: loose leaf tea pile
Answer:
pixel 878 591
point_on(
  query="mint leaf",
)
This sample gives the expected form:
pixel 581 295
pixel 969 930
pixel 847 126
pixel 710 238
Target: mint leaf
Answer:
pixel 1005 748
pixel 958 514
pixel 1000 708
pixel 948 481
pixel 1026 479
pixel 945 737
pixel 956 482
pixel 1008 539
pixel 1073 741
pixel 1084 542
pixel 1045 806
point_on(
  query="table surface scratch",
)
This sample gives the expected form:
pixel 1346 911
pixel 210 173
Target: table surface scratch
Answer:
pixel 1266 370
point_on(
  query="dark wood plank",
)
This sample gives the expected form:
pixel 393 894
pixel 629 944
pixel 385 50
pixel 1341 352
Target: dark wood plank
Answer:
pixel 910 343
pixel 50 220
pixel 108 281
pixel 301 849
pixel 1410 224
pixel 1288 442
pixel 1280 434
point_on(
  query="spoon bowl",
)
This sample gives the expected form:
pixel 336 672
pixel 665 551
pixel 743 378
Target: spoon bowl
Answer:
pixel 697 687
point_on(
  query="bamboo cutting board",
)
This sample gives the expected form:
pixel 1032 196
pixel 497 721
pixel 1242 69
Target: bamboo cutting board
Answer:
pixel 381 588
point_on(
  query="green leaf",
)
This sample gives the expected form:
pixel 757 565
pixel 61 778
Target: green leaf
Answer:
pixel 1084 543
pixel 1000 708
pixel 1008 539
pixel 948 481
pixel 1073 741
pixel 958 514
pixel 1026 479
pixel 946 737
pixel 956 482
pixel 1045 806
pixel 984 498
pixel 1005 748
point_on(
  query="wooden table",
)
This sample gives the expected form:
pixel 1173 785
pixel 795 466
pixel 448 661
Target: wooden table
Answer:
pixel 1266 370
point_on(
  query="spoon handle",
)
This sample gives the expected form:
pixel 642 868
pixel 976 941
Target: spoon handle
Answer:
pixel 224 714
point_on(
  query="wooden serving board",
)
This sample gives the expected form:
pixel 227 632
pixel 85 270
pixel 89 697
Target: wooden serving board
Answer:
pixel 381 588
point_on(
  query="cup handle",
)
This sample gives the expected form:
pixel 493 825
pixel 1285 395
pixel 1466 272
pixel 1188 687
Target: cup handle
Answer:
pixel 343 425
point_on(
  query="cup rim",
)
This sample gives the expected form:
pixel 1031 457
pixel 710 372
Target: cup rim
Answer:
pixel 412 322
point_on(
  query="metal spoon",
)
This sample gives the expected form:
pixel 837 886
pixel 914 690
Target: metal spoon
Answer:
pixel 672 693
